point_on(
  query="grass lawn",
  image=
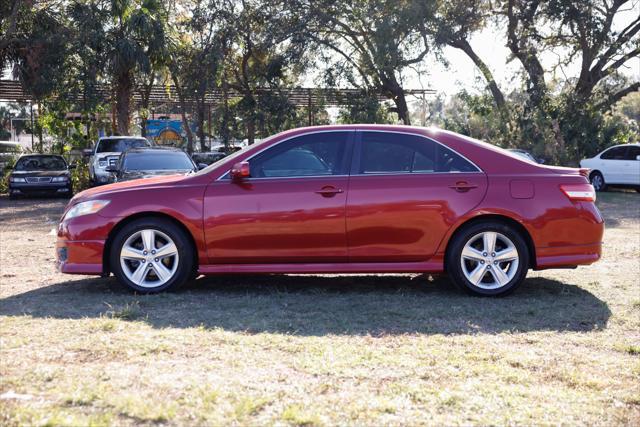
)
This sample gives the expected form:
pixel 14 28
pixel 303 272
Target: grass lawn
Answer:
pixel 317 350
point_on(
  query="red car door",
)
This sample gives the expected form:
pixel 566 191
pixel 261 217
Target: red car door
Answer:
pixel 291 209
pixel 405 192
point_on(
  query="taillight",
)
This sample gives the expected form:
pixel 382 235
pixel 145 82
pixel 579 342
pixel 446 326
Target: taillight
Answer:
pixel 579 192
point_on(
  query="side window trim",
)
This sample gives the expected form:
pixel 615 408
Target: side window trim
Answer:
pixel 344 166
pixel 357 156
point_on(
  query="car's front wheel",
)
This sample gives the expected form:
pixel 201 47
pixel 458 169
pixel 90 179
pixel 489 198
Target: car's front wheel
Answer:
pixel 488 259
pixel 152 255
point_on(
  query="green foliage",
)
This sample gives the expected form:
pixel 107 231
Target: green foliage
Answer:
pixel 564 135
pixel 5 172
pixel 80 176
pixel 365 108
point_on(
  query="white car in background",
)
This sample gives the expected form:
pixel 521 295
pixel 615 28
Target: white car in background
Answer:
pixel 106 153
pixel 617 166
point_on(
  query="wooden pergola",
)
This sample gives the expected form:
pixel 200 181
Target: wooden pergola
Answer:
pixel 12 91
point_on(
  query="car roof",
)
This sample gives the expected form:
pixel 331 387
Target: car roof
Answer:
pixel 40 155
pixel 121 137
pixel 154 149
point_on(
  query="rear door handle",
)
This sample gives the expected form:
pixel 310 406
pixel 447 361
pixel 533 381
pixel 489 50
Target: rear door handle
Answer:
pixel 463 186
pixel 329 191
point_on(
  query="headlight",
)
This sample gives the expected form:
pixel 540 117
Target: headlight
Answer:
pixel 59 179
pixel 86 208
pixel 17 179
pixel 102 163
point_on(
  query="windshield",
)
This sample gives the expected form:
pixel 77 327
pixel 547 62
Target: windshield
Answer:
pixel 157 161
pixel 118 145
pixel 233 156
pixel 41 163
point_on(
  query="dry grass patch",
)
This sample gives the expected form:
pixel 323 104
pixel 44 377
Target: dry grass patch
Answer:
pixel 319 350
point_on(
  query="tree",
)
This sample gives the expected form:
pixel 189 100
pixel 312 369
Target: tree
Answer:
pixel 561 117
pixel 134 31
pixel 264 50
pixel 378 39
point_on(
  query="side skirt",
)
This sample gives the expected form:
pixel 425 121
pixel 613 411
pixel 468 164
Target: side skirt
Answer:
pixel 387 267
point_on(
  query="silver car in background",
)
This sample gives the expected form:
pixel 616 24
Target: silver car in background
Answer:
pixel 107 152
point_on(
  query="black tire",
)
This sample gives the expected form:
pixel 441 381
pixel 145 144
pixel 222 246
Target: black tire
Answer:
pixel 469 233
pixel 597 180
pixel 185 267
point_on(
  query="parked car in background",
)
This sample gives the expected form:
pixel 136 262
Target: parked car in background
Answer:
pixel 40 174
pixel 149 162
pixel 340 199
pixel 106 153
pixel 526 155
pixel 617 166
pixel 207 158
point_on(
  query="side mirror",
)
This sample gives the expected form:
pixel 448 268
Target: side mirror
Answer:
pixel 202 166
pixel 541 161
pixel 72 166
pixel 87 152
pixel 240 170
pixel 637 157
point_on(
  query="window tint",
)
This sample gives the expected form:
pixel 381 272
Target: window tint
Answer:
pixel 308 155
pixel 632 153
pixel 35 163
pixel 157 161
pixel 119 145
pixel 616 153
pixel 400 153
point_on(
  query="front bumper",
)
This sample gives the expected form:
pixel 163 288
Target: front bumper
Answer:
pixel 62 188
pixel 79 257
pixel 81 244
pixel 101 176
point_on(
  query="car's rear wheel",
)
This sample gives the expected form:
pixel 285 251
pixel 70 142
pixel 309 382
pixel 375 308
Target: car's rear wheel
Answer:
pixel 152 255
pixel 597 180
pixel 488 259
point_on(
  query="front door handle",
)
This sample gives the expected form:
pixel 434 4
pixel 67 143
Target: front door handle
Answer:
pixel 463 186
pixel 329 191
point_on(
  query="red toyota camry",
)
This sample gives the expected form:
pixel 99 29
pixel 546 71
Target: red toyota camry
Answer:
pixel 340 199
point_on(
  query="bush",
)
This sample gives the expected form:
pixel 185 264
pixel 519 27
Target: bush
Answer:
pixel 80 176
pixel 4 174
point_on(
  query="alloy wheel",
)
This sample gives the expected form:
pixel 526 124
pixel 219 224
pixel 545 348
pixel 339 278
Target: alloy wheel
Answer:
pixel 149 258
pixel 489 260
pixel 597 182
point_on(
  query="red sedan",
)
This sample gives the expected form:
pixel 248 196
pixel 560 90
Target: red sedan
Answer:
pixel 340 199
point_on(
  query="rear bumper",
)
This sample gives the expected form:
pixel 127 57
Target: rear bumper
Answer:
pixel 80 257
pixel 567 256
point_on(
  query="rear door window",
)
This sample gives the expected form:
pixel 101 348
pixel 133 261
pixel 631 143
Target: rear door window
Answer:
pixel 632 153
pixel 397 153
pixel 615 153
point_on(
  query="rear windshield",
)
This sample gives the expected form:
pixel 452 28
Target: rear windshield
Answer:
pixel 39 163
pixel 120 144
pixel 157 161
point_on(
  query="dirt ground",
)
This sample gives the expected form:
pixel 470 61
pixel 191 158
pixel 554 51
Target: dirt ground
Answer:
pixel 317 350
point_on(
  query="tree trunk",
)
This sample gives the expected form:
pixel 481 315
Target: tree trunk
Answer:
pixel 251 129
pixel 401 105
pixel 123 96
pixel 200 112
pixel 498 97
pixel 183 114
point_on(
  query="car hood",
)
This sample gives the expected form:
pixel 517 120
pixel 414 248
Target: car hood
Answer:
pixel 44 173
pixel 105 190
pixel 129 175
pixel 108 153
